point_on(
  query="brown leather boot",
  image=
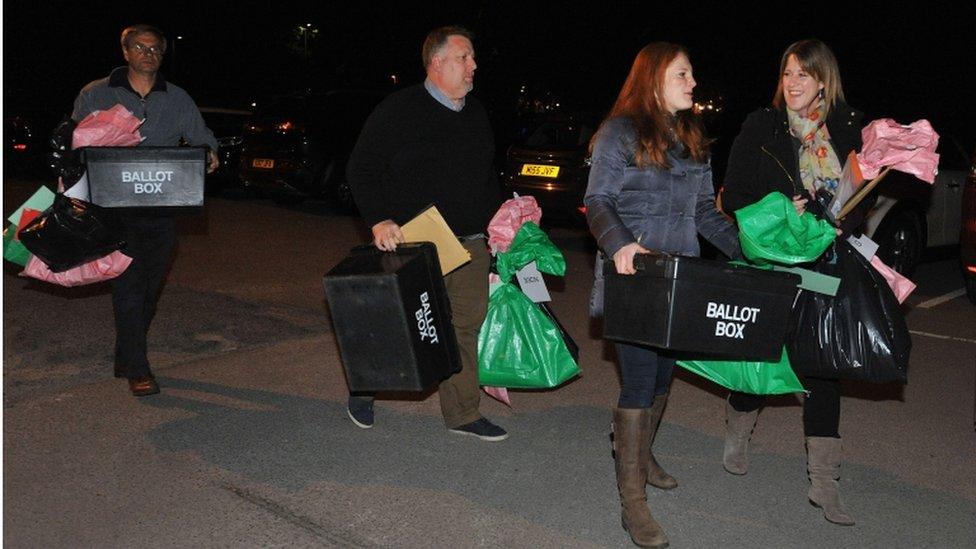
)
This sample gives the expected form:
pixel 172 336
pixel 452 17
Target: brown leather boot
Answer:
pixel 656 476
pixel 632 450
pixel 738 430
pixel 823 465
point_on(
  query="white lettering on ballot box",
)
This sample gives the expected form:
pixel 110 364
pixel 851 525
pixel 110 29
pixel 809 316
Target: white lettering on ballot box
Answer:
pixel 392 319
pixel 699 306
pixel 146 177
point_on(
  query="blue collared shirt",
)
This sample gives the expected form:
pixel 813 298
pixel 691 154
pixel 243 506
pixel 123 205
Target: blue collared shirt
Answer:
pixel 441 98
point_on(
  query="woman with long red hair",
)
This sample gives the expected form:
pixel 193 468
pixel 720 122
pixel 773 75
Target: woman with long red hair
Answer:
pixel 650 188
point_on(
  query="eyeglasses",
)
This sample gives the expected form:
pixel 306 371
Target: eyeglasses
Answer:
pixel 155 51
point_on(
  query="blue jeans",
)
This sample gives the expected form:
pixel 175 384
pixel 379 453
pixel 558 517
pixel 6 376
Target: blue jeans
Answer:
pixel 644 374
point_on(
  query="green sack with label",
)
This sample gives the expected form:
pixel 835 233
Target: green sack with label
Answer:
pixel 530 244
pixel 754 377
pixel 13 250
pixel 519 346
pixel 771 231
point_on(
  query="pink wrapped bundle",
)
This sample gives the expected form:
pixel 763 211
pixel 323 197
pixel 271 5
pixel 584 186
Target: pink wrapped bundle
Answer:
pixel 105 268
pixel 500 394
pixel 900 285
pixel 114 127
pixel 509 218
pixel 909 149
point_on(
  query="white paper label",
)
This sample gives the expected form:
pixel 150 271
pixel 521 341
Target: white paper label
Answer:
pixel 532 284
pixel 864 245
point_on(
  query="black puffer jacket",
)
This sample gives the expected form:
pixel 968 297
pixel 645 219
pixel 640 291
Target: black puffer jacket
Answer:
pixel 764 159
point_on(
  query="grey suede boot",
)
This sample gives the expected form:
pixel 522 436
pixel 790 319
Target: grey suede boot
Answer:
pixel 631 453
pixel 738 429
pixel 656 476
pixel 823 465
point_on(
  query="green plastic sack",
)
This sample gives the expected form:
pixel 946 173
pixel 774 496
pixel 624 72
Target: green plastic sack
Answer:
pixel 530 244
pixel 758 378
pixel 771 231
pixel 13 250
pixel 519 347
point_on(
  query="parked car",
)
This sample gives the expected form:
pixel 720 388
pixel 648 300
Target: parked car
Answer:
pixel 911 216
pixel 21 146
pixel 548 160
pixel 967 239
pixel 298 145
pixel 228 127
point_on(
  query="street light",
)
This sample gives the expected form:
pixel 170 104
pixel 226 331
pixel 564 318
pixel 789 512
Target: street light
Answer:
pixel 173 51
pixel 306 29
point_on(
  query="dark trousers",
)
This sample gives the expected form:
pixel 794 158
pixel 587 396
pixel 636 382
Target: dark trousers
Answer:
pixel 150 243
pixel 644 374
pixel 821 408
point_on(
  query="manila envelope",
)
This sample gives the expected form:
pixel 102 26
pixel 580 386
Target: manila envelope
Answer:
pixel 429 226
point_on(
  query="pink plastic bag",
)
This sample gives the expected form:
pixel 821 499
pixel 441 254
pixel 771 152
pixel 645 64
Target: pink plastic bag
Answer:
pixel 104 268
pixel 901 286
pixel 909 149
pixel 509 218
pixel 114 127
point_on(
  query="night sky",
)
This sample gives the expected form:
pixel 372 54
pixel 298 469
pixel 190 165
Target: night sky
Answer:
pixel 903 64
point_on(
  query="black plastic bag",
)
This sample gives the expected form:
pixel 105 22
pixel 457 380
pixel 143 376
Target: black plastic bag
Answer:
pixel 858 334
pixel 72 232
pixel 62 159
pixel 571 345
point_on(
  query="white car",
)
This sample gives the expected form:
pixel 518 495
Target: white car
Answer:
pixel 912 216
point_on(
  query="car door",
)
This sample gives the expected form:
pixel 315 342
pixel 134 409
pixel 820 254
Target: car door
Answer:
pixel 945 216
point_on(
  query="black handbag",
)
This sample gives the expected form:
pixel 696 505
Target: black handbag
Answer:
pixel 72 232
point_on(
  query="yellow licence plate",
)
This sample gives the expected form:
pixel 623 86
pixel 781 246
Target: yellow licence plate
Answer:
pixel 540 170
pixel 263 163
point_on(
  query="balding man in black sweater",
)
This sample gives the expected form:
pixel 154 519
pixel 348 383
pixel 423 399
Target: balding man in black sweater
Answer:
pixel 432 144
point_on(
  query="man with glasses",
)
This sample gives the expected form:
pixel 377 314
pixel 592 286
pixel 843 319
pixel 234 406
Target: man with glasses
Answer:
pixel 432 144
pixel 169 115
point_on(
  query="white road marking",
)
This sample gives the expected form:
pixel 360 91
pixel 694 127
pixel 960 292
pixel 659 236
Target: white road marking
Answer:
pixel 940 336
pixel 941 299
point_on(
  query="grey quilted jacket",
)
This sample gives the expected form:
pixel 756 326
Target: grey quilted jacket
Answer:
pixel 662 209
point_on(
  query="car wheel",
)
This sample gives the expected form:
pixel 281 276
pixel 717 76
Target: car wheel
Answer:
pixel 971 289
pixel 900 242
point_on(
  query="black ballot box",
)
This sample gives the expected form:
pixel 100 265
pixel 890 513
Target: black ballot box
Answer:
pixel 146 177
pixel 700 306
pixel 392 319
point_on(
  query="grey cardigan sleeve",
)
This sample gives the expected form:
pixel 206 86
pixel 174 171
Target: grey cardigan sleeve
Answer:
pixel 712 225
pixel 193 128
pixel 611 156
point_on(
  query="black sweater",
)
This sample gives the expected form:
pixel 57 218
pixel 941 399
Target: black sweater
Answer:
pixel 764 159
pixel 414 151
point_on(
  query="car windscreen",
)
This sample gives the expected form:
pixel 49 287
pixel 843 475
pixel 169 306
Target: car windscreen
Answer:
pixel 554 135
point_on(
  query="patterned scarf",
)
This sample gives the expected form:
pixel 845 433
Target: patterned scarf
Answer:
pixel 819 166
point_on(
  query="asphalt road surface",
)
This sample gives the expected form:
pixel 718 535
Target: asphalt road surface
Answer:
pixel 249 445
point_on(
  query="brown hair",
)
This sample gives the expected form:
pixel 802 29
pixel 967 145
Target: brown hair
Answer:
pixel 817 60
pixel 641 100
pixel 438 37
